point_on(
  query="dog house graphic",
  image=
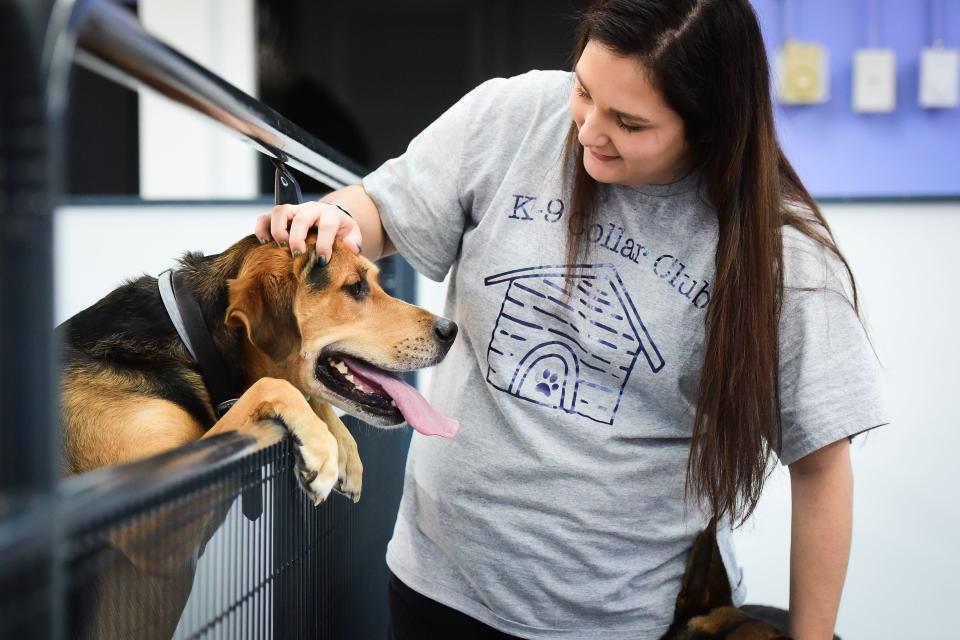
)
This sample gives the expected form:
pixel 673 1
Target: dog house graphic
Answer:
pixel 567 344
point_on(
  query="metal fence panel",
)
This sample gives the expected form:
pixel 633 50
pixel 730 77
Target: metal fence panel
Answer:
pixel 233 551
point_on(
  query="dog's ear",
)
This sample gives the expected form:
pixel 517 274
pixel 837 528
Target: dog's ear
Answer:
pixel 705 583
pixel 261 301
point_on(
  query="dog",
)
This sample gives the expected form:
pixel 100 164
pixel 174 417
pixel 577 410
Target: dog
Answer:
pixel 303 336
pixel 300 336
pixel 704 608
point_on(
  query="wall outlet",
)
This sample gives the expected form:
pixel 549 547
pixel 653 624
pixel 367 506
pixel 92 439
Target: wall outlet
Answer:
pixel 939 78
pixel 874 80
pixel 803 73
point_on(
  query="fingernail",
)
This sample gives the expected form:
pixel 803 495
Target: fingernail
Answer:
pixel 283 243
pixel 297 253
pixel 262 240
pixel 321 261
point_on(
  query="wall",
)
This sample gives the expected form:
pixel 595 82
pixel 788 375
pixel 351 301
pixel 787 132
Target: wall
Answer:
pixel 182 155
pixel 900 578
pixel 839 153
pixel 98 247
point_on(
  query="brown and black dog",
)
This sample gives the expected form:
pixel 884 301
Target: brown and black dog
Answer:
pixel 301 336
pixel 704 609
pixel 301 333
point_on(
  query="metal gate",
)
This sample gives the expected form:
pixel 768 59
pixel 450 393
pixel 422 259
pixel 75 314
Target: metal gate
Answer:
pixel 212 540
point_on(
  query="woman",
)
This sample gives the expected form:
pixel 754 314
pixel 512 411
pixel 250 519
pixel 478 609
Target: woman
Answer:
pixel 650 304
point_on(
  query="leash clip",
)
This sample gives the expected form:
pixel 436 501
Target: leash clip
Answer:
pixel 286 189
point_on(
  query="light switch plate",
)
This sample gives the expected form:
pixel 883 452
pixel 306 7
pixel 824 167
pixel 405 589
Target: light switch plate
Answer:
pixel 874 80
pixel 939 78
pixel 803 73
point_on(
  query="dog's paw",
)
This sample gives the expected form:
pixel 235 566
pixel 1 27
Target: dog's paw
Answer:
pixel 317 465
pixel 350 479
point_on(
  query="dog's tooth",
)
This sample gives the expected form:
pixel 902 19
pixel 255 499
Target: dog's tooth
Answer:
pixel 392 403
pixel 349 377
pixel 339 366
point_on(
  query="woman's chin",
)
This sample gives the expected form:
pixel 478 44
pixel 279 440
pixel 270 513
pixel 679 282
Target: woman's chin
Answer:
pixel 599 172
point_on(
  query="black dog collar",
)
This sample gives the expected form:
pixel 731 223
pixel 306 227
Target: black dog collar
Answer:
pixel 186 317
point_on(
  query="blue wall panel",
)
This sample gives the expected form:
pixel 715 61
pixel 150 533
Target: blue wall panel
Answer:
pixel 911 152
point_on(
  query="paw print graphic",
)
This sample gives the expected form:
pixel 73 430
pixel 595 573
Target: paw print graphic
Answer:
pixel 548 383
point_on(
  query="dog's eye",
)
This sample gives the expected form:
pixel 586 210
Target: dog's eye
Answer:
pixel 357 289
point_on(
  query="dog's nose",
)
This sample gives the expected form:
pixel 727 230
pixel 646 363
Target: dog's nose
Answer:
pixel 445 330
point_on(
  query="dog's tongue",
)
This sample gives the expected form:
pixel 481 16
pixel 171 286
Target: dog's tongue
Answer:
pixel 414 407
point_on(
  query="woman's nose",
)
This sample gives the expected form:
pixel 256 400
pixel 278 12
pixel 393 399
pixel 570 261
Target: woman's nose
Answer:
pixel 591 133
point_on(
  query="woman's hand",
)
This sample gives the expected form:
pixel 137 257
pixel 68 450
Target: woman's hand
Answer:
pixel 288 225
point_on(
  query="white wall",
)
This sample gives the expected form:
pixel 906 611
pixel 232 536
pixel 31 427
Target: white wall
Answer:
pixel 183 154
pixel 99 247
pixel 903 567
pixel 902 572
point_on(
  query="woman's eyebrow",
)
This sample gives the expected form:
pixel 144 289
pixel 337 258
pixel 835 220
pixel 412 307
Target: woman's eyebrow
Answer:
pixel 628 116
pixel 625 116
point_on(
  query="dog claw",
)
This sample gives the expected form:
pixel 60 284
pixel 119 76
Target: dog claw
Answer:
pixel 316 465
pixel 305 478
pixel 353 495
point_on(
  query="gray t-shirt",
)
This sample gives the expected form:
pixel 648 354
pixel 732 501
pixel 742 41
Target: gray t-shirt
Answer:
pixel 558 510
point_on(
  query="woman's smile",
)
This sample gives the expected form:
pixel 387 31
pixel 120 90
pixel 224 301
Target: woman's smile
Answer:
pixel 601 157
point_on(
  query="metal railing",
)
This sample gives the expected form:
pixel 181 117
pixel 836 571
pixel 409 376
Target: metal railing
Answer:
pixel 112 43
pixel 212 540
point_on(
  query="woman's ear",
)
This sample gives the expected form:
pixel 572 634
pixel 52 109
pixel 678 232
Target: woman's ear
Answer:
pixel 261 301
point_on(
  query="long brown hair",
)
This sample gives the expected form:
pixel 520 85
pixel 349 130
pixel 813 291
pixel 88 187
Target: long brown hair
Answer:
pixel 708 60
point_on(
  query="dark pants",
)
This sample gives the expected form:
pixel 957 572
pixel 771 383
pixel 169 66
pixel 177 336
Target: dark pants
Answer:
pixel 416 617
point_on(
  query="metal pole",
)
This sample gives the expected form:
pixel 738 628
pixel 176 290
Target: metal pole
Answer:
pixel 28 442
pixel 26 253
